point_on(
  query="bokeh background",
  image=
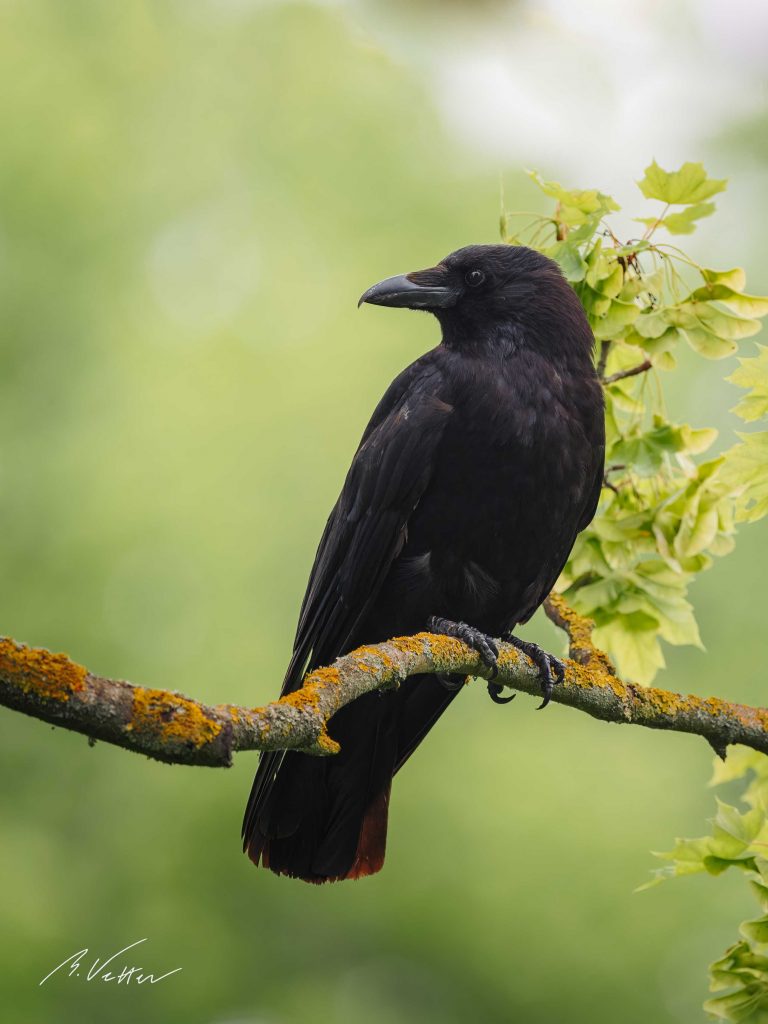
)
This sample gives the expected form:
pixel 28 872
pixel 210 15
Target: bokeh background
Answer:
pixel 193 193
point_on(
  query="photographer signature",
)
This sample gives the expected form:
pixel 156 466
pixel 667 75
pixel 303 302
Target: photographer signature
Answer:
pixel 99 972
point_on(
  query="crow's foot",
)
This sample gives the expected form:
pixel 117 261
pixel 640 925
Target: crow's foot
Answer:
pixel 551 669
pixel 451 683
pixel 484 645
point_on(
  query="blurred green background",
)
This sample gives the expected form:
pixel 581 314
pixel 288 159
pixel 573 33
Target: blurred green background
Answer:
pixel 192 196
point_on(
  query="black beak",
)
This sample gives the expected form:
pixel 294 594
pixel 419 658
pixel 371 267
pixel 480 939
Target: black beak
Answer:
pixel 423 289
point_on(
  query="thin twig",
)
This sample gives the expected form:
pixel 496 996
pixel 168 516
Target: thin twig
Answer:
pixel 623 374
pixel 605 348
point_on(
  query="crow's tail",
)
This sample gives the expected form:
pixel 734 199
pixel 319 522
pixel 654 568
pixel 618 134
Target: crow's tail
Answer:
pixel 324 819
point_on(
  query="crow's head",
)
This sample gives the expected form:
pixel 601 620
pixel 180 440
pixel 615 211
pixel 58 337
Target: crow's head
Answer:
pixel 481 289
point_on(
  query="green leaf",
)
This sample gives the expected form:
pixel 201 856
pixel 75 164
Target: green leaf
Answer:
pixel 682 628
pixel 698 441
pixel 636 284
pixel 735 278
pixel 699 536
pixel 681 223
pixel 717 865
pixel 690 184
pixel 742 827
pixel 646 451
pixel 614 322
pixel 688 855
pixel 633 248
pixel 633 642
pixel 620 528
pixel 752 374
pixel 708 344
pixel 745 470
pixel 739 302
pixel 598 595
pixel 737 1006
pixel 571 262
pixel 576 205
pixel 720 321
pixel 652 323
pixel 739 762
pixel 755 931
pixel 595 305
pixel 659 347
pixel 605 274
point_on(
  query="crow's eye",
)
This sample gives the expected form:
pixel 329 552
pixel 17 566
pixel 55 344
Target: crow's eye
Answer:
pixel 474 278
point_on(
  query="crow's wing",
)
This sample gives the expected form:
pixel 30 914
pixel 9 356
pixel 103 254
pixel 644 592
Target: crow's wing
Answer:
pixel 365 531
pixel 367 527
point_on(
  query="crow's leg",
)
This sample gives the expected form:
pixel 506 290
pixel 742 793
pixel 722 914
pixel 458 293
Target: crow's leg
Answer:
pixel 551 669
pixel 484 645
pixel 474 638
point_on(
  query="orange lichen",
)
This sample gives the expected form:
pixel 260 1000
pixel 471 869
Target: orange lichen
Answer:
pixel 327 744
pixel 242 716
pixel 305 699
pixel 34 670
pixel 410 644
pixel 372 652
pixel 663 702
pixel 445 648
pixel 235 713
pixel 365 666
pixel 171 718
pixel 308 696
pixel 578 627
pixel 582 650
pixel 322 677
pixel 747 716
pixel 594 674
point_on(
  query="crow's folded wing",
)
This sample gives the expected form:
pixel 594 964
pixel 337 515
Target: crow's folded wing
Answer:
pixel 364 534
pixel 367 527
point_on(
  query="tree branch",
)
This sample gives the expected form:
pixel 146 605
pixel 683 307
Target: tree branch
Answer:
pixel 171 727
pixel 605 348
pixel 632 372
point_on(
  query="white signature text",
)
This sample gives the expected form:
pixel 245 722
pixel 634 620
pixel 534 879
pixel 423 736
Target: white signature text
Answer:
pixel 100 970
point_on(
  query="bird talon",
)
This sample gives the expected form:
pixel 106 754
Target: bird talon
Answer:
pixel 551 669
pixel 494 692
pixel 451 683
pixel 546 689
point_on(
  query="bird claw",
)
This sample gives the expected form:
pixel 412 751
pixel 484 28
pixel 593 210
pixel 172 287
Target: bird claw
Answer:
pixel 494 692
pixel 485 646
pixel 551 669
pixel 451 683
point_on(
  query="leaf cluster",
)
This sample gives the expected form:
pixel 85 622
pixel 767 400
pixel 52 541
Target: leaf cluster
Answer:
pixel 667 507
pixel 739 840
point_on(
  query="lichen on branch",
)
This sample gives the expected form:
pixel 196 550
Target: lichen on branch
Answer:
pixel 170 727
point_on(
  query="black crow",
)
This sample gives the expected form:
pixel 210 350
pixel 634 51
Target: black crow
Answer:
pixel 480 465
